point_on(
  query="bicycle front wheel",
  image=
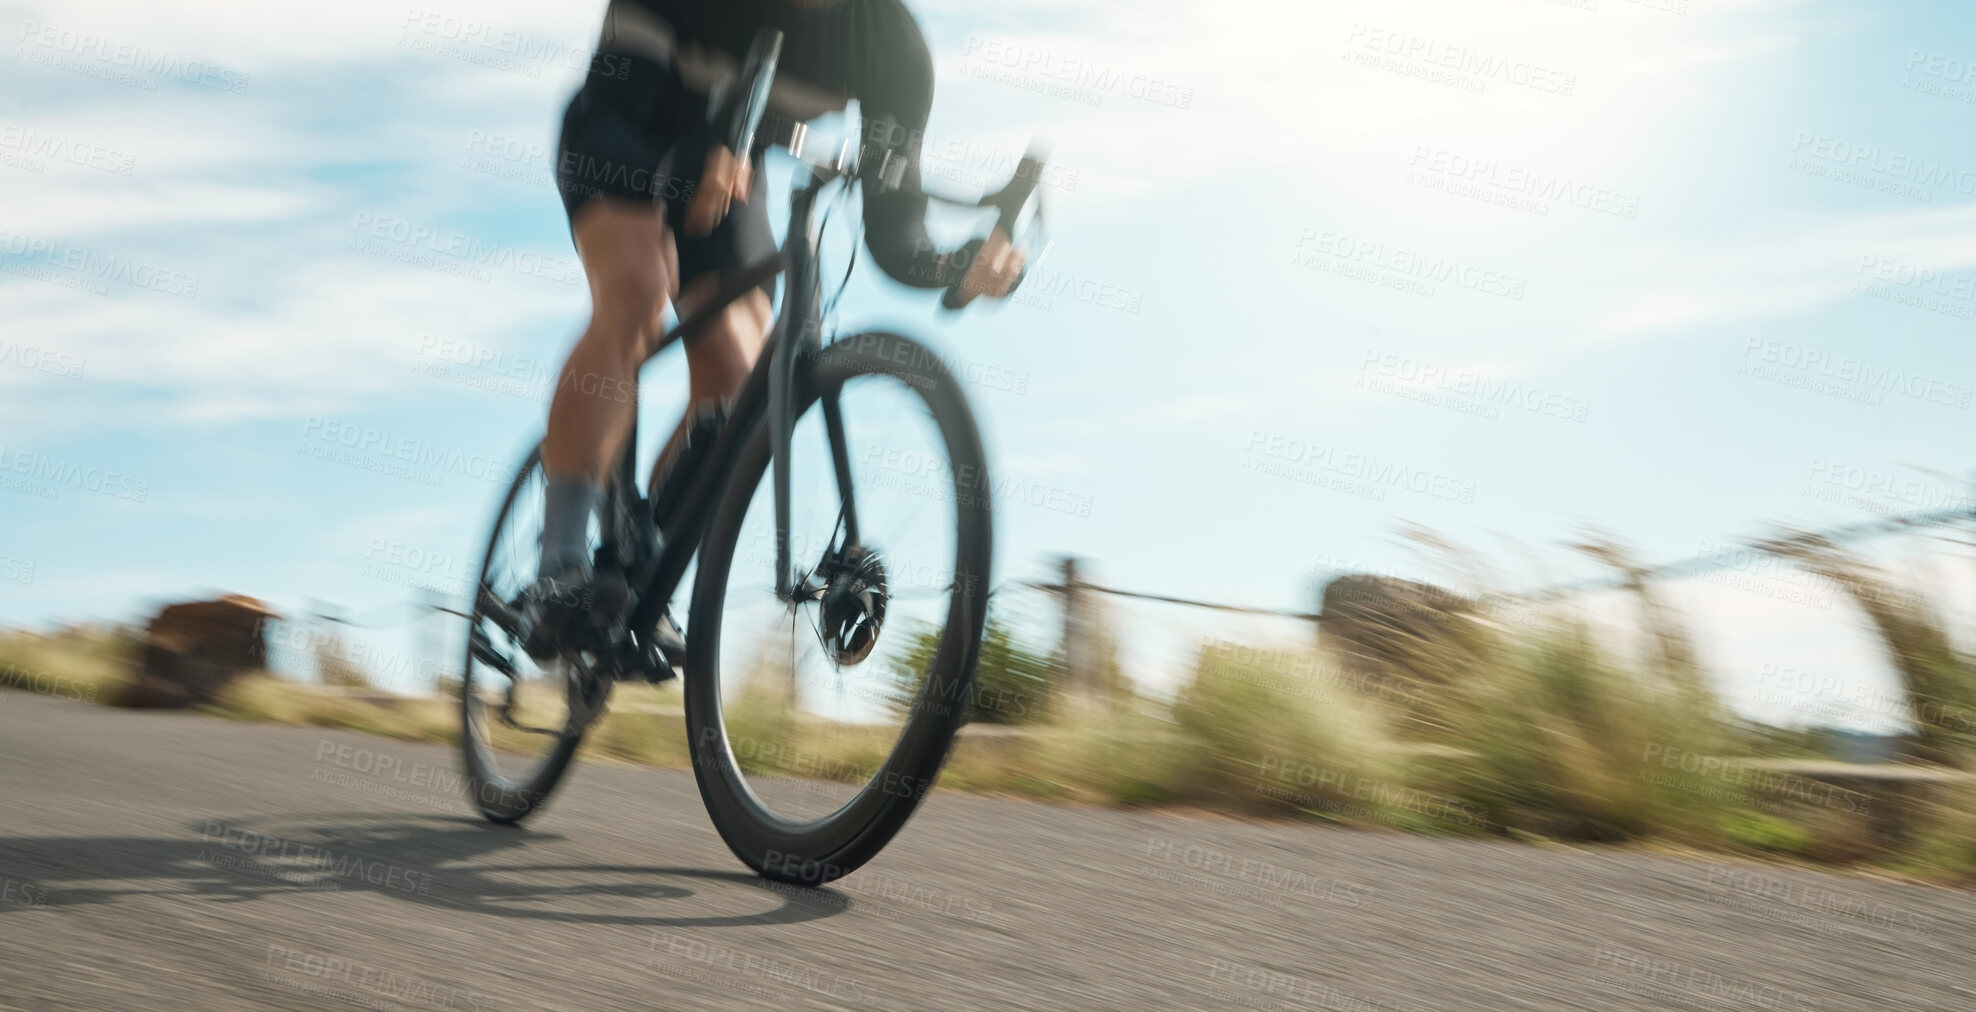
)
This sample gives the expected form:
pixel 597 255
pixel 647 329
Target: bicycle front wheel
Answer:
pixel 817 725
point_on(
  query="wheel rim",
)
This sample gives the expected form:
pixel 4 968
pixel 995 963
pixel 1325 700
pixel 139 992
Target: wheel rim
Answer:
pixel 814 698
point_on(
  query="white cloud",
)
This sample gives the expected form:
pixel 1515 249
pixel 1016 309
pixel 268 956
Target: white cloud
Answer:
pixel 248 199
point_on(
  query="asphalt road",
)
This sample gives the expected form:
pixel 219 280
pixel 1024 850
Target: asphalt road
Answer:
pixel 168 861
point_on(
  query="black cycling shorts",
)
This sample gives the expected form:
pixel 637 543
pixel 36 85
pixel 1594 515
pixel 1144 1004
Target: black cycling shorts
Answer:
pixel 634 132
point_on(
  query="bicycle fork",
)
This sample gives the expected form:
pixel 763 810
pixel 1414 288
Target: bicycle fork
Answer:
pixel 801 305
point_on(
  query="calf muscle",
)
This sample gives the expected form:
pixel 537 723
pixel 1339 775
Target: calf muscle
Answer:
pixel 628 256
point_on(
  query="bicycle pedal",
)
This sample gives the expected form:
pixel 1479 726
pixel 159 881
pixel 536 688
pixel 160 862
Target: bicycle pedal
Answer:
pixel 655 667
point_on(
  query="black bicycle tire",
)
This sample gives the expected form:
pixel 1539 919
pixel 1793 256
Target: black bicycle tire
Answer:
pixel 818 851
pixel 505 804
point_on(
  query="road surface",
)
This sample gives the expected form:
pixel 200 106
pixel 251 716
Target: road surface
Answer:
pixel 177 861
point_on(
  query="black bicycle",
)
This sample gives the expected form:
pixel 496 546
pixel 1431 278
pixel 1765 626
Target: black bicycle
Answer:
pixel 830 652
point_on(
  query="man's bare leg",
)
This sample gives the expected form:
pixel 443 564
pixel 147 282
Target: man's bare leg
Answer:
pixel 629 259
pixel 632 266
pixel 719 357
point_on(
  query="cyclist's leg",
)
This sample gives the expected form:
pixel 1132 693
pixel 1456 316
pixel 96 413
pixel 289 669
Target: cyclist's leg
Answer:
pixel 628 257
pixel 616 129
pixel 627 254
pixel 719 357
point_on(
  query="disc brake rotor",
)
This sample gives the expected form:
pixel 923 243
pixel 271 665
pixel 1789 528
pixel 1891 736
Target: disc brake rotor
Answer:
pixel 853 607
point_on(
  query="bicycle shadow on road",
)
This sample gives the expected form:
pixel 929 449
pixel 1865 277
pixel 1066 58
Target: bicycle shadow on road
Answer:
pixel 433 861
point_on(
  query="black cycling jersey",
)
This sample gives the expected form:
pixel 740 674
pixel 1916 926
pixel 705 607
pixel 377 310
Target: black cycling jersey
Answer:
pixel 657 60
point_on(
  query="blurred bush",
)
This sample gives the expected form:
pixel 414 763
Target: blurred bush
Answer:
pixel 1270 731
pixel 1939 680
pixel 1559 731
pixel 1012 684
pixel 1545 726
pixel 1943 835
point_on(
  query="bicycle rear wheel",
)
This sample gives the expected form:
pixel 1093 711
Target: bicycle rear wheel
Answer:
pixel 817 727
pixel 517 735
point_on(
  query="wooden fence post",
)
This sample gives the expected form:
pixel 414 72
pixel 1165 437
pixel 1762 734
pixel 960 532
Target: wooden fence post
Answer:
pixel 1087 645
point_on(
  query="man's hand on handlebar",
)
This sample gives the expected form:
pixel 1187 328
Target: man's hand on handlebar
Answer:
pixel 996 268
pixel 724 182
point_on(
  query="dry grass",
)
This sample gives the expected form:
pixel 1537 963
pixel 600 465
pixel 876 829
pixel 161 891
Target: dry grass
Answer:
pixel 643 725
pixel 1943 842
pixel 1090 755
pixel 277 701
pixel 87 663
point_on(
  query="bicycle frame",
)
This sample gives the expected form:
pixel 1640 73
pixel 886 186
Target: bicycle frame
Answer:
pixel 794 336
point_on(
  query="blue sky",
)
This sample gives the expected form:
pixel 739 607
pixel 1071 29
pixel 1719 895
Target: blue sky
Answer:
pixel 1498 270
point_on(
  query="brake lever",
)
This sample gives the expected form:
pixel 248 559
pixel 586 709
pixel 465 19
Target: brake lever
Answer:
pixel 1008 203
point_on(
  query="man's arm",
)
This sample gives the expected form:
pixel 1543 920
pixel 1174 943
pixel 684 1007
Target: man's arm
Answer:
pixel 894 105
pixel 895 232
pixel 894 102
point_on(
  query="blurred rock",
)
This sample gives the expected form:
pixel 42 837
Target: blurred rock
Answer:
pixel 193 651
pixel 1400 639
